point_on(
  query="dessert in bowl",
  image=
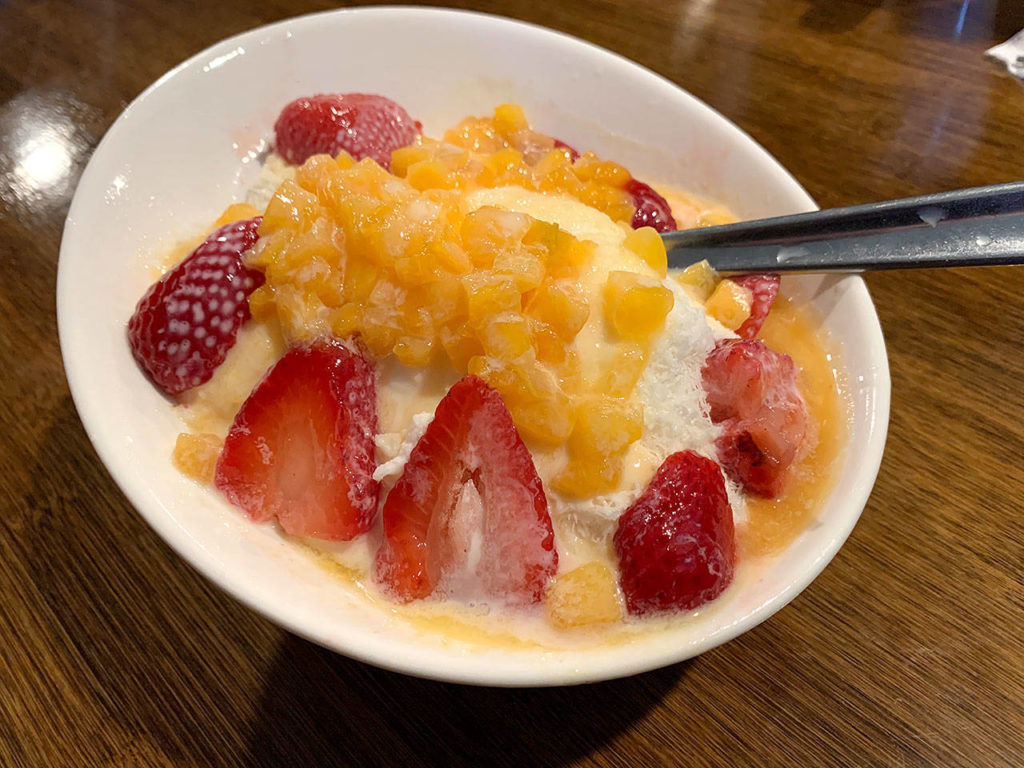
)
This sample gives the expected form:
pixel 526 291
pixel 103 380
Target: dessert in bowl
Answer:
pixel 447 349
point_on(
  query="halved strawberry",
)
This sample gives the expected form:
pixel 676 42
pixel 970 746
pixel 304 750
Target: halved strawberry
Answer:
pixel 468 517
pixel 764 288
pixel 362 124
pixel 301 447
pixel 753 395
pixel 676 544
pixel 184 325
pixel 652 210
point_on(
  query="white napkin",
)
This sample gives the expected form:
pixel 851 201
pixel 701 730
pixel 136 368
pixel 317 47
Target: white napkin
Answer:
pixel 1011 53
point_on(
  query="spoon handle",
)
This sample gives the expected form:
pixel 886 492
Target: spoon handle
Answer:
pixel 967 227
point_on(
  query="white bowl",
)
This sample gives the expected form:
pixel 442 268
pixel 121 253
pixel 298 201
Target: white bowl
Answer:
pixel 180 153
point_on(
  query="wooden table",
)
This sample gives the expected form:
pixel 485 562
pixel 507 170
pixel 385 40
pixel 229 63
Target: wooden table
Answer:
pixel 907 651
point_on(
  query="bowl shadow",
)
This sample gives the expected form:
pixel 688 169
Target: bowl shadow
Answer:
pixel 321 709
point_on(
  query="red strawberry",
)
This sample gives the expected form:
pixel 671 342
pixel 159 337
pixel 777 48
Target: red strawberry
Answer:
pixel 676 544
pixel 652 210
pixel 753 395
pixel 301 448
pixel 468 517
pixel 764 287
pixel 362 124
pixel 187 321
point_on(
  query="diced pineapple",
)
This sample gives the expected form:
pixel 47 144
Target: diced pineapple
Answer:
pixel 586 595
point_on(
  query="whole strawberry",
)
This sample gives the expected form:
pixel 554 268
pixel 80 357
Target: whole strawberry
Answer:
pixel 676 544
pixel 362 124
pixel 187 321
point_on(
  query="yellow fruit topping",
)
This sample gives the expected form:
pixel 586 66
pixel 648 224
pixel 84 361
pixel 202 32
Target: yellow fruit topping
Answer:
pixel 236 212
pixel 729 304
pixel 352 250
pixel 406 263
pixel 699 280
pixel 605 427
pixel 624 371
pixel 635 305
pixel 584 596
pixel 714 217
pixel 648 245
pixel 512 153
pixel 195 455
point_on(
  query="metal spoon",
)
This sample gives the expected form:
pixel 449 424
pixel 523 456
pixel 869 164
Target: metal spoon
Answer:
pixel 967 227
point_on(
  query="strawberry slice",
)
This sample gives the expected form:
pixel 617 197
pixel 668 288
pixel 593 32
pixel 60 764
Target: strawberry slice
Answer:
pixel 652 210
pixel 186 322
pixel 301 447
pixel 676 544
pixel 362 124
pixel 753 396
pixel 764 288
pixel 468 517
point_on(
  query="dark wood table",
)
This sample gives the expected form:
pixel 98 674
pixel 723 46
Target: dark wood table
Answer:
pixel 908 649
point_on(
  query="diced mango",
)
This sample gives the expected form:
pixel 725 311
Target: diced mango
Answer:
pixel 586 595
pixel 699 280
pixel 648 245
pixel 606 425
pixel 509 118
pixel 507 337
pixel 195 455
pixel 236 212
pixel 412 350
pixel 394 258
pixel 562 305
pixel 635 305
pixel 624 371
pixel 729 304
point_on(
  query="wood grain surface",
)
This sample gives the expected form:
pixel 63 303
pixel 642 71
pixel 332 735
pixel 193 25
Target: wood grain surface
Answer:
pixel 906 651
